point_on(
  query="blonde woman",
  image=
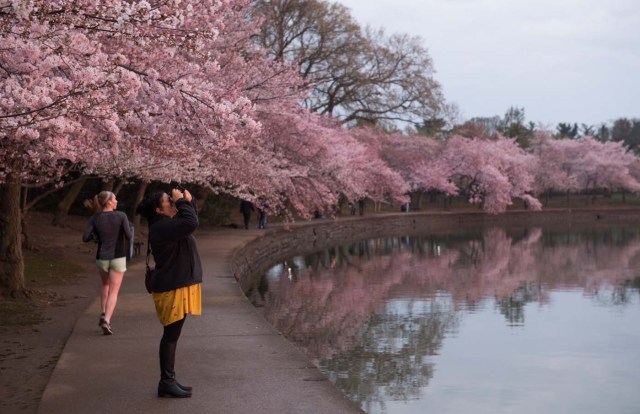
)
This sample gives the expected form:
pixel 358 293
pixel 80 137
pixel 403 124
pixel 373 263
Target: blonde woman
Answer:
pixel 112 231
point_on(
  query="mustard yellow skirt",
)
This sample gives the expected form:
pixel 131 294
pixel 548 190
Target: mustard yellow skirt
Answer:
pixel 173 305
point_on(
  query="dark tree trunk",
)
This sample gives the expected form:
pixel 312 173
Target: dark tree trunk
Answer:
pixel 26 243
pixel 201 199
pixel 62 211
pixel 121 184
pixel 108 185
pixel 11 259
pixel 418 201
pixel 136 217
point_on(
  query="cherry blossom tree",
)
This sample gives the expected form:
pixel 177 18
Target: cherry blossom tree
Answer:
pixel 604 165
pixel 491 172
pixel 171 91
pixel 121 88
pixel 553 169
pixel 317 161
pixel 416 158
pixel 583 164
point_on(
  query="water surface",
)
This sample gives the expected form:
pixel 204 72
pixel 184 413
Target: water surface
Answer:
pixel 501 321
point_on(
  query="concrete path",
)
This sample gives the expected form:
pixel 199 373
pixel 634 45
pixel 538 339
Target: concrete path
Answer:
pixel 236 362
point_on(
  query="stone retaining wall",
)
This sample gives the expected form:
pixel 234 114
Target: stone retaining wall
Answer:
pixel 249 262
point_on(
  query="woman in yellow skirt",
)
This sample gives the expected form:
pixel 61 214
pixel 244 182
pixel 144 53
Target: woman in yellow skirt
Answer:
pixel 176 285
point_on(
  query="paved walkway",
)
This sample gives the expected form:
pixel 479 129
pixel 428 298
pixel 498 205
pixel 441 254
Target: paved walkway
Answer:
pixel 236 362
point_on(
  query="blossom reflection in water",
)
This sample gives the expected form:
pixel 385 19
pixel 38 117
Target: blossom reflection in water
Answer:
pixel 469 322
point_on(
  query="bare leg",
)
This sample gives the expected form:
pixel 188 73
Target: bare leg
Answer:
pixel 115 280
pixel 104 290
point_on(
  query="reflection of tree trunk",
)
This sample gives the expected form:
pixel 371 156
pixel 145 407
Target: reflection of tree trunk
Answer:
pixel 136 217
pixel 11 259
pixel 62 211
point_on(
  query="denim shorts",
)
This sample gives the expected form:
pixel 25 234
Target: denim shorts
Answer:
pixel 117 265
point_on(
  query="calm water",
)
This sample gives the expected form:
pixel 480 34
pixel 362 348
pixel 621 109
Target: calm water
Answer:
pixel 493 321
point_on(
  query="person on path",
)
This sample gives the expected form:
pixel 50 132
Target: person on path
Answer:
pixel 246 208
pixel 111 229
pixel 262 218
pixel 176 285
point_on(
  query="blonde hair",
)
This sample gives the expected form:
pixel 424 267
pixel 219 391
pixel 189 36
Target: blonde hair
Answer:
pixel 103 198
pixel 99 202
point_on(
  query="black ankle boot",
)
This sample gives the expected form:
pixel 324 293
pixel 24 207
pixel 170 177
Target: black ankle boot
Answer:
pixel 184 387
pixel 171 390
pixel 168 386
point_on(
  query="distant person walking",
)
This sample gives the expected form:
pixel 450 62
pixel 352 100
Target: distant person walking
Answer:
pixel 352 208
pixel 176 285
pixel 111 229
pixel 246 208
pixel 262 218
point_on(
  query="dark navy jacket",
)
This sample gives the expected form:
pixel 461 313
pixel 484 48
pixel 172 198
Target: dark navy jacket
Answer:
pixel 111 229
pixel 174 249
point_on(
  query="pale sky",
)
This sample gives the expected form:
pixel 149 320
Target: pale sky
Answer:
pixel 560 60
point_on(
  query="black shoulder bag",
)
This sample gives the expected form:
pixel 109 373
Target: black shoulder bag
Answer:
pixel 149 273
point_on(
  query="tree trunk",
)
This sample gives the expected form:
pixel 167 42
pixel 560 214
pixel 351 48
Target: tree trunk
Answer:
pixel 11 259
pixel 108 185
pixel 121 184
pixel 26 243
pixel 62 211
pixel 136 217
pixel 201 199
pixel 418 205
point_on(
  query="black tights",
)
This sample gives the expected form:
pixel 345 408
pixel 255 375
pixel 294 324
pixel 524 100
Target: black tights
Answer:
pixel 168 345
pixel 172 332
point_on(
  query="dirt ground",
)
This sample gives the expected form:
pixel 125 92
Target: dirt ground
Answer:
pixel 62 279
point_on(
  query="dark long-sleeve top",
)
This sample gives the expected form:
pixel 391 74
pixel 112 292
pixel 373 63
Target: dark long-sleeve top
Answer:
pixel 174 249
pixel 113 232
pixel 246 207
